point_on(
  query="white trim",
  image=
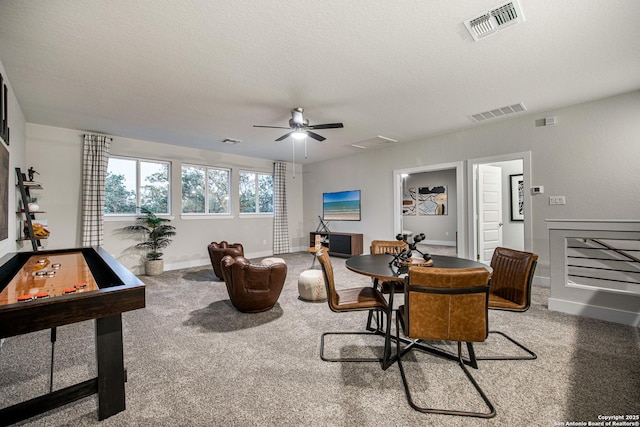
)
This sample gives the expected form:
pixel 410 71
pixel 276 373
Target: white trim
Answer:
pixel 131 217
pixel 595 312
pixel 460 188
pixel 525 156
pixel 205 216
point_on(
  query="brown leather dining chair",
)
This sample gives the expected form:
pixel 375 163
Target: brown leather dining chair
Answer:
pixel 353 299
pixel 386 247
pixel 444 305
pixel 389 247
pixel 510 290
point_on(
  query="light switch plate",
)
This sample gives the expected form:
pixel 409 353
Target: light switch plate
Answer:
pixel 556 200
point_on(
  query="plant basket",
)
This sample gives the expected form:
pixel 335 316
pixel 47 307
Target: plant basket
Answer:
pixel 153 267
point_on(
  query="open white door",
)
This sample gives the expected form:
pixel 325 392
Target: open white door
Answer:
pixel 489 211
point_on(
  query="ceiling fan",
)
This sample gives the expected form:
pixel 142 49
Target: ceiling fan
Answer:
pixel 300 127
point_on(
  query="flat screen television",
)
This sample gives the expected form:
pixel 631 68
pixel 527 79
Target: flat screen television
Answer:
pixel 341 206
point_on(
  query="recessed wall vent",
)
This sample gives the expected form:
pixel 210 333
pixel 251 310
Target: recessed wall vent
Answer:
pixel 374 142
pixel 494 20
pixel 498 112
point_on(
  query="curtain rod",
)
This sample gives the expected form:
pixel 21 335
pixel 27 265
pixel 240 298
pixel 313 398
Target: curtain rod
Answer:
pixel 110 138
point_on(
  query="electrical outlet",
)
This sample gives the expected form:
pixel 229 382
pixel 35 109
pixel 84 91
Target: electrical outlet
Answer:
pixel 264 242
pixel 556 200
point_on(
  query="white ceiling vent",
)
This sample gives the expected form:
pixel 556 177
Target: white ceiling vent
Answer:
pixel 374 142
pixel 498 112
pixel 494 20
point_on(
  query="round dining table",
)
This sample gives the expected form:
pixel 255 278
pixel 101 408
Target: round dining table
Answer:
pixel 382 269
pixel 379 266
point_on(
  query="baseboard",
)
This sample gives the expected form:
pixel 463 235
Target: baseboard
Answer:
pixel 438 242
pixel 595 312
pixel 205 261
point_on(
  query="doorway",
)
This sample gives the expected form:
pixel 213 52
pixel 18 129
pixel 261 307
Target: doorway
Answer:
pixel 498 203
pixel 457 168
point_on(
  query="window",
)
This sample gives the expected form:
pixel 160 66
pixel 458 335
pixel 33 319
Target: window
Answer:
pixel 212 197
pixel 135 182
pixel 256 192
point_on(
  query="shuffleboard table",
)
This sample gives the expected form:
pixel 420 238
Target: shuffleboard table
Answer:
pixel 46 289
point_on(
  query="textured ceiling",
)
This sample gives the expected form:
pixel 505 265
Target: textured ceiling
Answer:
pixel 196 72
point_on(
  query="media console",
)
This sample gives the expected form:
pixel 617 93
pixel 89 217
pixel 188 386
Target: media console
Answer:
pixel 340 244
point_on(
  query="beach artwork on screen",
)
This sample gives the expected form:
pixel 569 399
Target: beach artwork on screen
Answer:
pixel 341 206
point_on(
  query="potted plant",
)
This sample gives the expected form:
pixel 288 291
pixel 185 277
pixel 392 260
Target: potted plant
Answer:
pixel 157 236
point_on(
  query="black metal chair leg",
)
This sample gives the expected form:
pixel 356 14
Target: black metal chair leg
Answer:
pixel 384 360
pixel 531 355
pixel 490 414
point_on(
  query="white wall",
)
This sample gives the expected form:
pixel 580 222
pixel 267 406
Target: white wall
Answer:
pixel 62 195
pixel 16 150
pixel 590 156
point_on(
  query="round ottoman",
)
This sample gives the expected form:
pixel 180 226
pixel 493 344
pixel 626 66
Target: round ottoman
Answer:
pixel 272 260
pixel 311 286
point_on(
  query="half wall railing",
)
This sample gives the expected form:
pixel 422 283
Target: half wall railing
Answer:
pixel 595 268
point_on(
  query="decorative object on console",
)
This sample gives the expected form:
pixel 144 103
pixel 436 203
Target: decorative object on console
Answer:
pixel 157 234
pixel 323 225
pixel 405 257
pixel 217 251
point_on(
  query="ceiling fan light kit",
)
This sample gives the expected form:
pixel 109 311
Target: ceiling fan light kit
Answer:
pixel 298 134
pixel 300 127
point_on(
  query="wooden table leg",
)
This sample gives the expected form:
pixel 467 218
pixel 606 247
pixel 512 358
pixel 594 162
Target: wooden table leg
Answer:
pixel 111 374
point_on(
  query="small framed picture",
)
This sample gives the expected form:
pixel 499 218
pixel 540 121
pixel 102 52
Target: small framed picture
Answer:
pixel 517 197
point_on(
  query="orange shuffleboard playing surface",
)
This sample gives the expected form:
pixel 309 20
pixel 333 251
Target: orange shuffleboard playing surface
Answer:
pixel 49 276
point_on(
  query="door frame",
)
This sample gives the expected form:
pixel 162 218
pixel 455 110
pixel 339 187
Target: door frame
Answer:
pixel 472 164
pixel 460 199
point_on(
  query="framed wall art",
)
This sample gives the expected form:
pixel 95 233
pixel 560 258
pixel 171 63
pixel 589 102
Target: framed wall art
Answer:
pixel 432 200
pixel 517 197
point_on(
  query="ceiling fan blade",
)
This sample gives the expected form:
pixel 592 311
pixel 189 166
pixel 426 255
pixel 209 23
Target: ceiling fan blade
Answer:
pixel 316 136
pixel 285 136
pixel 272 127
pixel 326 126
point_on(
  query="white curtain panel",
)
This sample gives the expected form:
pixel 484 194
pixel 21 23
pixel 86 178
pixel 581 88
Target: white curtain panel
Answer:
pixel 280 222
pixel 94 171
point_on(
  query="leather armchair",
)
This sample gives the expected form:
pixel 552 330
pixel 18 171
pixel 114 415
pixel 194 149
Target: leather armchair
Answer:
pixel 252 287
pixel 217 251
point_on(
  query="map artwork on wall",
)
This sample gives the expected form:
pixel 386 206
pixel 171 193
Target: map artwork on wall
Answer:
pixel 432 200
pixel 409 202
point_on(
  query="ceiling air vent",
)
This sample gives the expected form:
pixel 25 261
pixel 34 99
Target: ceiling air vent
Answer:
pixel 494 20
pixel 498 112
pixel 374 142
